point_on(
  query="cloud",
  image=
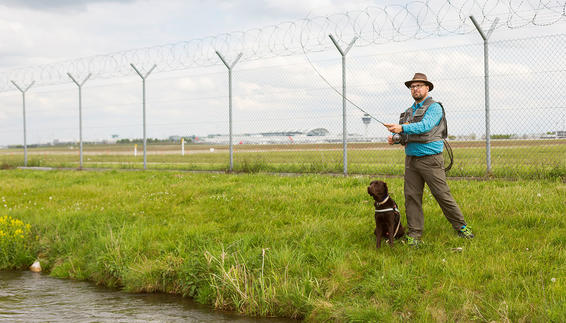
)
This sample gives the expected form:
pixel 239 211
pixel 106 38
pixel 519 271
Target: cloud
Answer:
pixel 45 35
pixel 56 5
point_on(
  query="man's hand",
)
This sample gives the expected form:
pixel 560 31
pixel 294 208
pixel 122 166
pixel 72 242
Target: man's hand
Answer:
pixel 395 128
pixel 390 140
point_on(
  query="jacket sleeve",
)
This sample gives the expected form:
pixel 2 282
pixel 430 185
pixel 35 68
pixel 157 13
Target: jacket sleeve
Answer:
pixel 431 118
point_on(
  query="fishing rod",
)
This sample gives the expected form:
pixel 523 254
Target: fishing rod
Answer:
pixel 396 137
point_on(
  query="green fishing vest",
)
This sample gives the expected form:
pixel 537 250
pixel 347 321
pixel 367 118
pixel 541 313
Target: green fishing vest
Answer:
pixel 439 132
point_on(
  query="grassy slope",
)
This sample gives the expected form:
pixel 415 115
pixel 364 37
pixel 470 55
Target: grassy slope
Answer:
pixel 299 246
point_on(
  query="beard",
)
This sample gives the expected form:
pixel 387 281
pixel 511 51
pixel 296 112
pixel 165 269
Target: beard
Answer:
pixel 418 96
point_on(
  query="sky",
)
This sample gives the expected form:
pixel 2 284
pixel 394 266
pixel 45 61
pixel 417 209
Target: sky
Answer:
pixel 193 101
pixel 38 32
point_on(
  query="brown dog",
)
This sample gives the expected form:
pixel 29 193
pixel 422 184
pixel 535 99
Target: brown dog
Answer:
pixel 387 216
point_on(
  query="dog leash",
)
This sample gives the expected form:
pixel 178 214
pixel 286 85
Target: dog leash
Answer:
pixel 395 209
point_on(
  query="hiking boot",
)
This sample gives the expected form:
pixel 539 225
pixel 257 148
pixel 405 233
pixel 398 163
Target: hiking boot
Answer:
pixel 412 242
pixel 465 232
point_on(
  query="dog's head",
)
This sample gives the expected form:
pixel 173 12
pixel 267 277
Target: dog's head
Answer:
pixel 378 190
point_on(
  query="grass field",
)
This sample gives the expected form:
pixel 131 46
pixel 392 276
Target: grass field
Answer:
pixel 510 158
pixel 298 246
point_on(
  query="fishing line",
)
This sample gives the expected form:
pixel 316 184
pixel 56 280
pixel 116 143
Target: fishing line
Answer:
pixel 330 85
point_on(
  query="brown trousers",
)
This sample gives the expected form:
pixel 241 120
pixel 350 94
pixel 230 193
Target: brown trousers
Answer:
pixel 429 170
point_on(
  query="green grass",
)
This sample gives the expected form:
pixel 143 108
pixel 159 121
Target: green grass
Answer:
pixel 510 158
pixel 299 246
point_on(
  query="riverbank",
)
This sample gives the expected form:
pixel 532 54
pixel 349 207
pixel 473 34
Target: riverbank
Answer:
pixel 298 247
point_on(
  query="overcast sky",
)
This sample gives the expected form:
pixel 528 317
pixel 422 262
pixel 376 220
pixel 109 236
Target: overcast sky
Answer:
pixel 39 32
pixel 290 96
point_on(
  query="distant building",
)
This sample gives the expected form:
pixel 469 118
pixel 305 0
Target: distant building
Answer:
pixel 286 133
pixel 560 134
pixel 318 132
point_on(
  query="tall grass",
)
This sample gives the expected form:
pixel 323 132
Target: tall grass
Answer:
pixel 300 247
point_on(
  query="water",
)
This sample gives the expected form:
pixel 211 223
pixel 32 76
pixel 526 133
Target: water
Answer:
pixel 33 297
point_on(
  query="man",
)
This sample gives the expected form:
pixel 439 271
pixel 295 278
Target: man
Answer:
pixel 421 129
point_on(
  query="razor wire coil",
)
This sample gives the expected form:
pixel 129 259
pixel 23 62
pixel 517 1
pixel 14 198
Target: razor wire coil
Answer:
pixel 372 25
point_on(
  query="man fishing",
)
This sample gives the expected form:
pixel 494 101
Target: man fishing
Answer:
pixel 422 129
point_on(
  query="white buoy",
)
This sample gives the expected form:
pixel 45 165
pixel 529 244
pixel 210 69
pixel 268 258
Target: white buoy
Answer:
pixel 211 150
pixel 35 267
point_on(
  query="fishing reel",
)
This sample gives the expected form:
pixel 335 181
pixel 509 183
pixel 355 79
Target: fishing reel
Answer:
pixel 399 139
pixel 396 138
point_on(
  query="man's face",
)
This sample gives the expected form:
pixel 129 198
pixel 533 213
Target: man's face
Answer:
pixel 419 90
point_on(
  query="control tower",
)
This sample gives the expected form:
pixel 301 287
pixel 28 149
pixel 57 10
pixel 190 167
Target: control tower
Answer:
pixel 366 119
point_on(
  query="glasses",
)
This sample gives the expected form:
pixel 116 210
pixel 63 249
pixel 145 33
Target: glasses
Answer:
pixel 416 86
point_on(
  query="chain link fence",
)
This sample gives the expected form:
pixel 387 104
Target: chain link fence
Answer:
pixel 286 118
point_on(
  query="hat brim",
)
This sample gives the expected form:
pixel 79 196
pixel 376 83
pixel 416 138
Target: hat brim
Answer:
pixel 430 85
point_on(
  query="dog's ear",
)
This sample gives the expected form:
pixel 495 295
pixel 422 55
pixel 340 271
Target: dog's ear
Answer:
pixel 370 188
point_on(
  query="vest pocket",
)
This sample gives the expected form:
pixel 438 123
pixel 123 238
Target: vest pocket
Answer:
pixel 419 113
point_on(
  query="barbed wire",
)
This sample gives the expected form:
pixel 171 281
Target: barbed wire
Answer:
pixel 372 25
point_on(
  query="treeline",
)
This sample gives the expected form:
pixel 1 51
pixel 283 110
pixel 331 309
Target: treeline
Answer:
pixel 155 140
pixel 503 136
pixel 188 140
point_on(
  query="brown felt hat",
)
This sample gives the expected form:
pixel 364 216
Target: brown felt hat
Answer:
pixel 420 77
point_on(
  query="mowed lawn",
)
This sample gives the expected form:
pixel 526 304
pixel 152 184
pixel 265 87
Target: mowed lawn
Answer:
pixel 298 246
pixel 533 159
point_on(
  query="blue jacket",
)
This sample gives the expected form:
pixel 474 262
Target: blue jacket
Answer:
pixel 431 118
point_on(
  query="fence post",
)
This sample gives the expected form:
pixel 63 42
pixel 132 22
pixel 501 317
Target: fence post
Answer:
pixel 24 110
pixel 230 66
pixel 143 77
pixel 485 38
pixel 80 85
pixel 344 130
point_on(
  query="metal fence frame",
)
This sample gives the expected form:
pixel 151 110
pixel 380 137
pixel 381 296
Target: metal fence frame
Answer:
pixel 230 67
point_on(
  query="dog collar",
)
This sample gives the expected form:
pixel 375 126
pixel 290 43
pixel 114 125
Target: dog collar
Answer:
pixel 386 210
pixel 384 200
